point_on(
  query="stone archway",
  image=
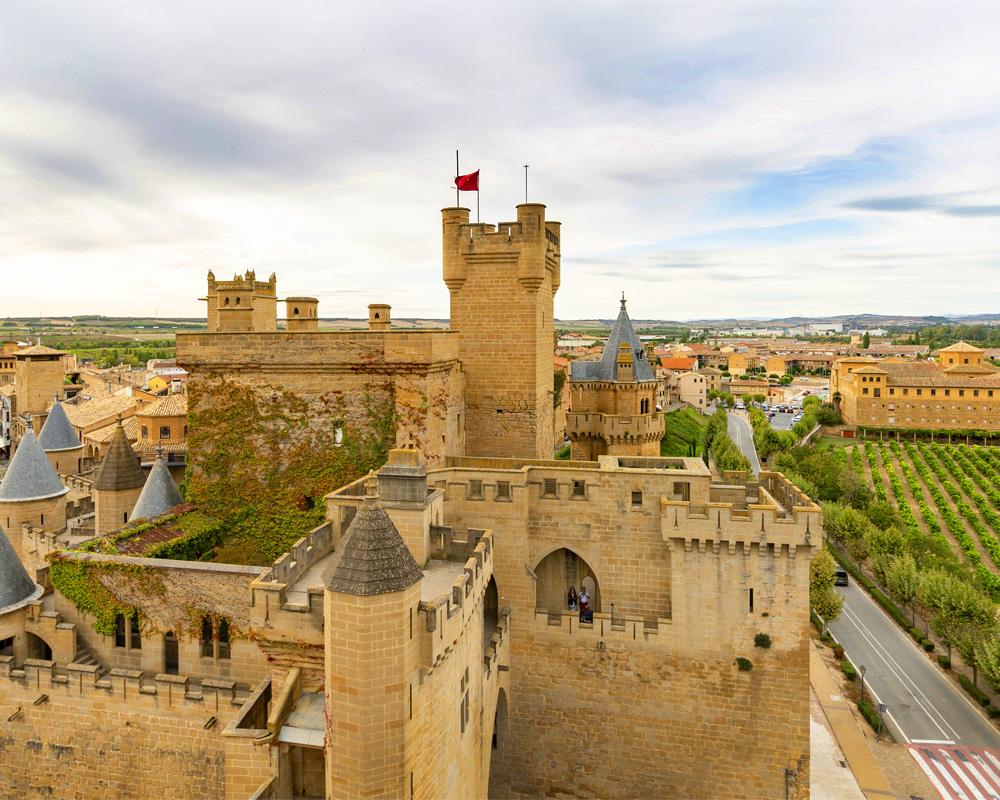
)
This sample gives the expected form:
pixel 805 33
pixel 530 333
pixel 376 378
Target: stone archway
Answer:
pixel 499 785
pixel 491 612
pixel 37 647
pixel 557 572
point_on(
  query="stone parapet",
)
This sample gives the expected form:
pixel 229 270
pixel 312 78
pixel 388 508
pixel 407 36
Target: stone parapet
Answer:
pixel 445 617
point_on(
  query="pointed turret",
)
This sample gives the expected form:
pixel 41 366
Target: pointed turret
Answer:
pixel 160 494
pixel 60 442
pixel 372 654
pixel 376 560
pixel 622 337
pixel 117 485
pixel 31 493
pixel 16 588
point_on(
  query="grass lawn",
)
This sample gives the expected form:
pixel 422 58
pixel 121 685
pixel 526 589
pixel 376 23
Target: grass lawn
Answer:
pixel 684 426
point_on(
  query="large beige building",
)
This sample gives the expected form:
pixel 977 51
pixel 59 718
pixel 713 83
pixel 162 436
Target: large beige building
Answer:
pixel 960 391
pixel 418 643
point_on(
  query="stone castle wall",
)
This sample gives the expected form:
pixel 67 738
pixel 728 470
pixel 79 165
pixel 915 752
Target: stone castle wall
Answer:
pixel 117 741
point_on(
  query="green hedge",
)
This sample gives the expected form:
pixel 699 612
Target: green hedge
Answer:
pixel 869 713
pixel 975 692
pixel 848 669
pixel 944 661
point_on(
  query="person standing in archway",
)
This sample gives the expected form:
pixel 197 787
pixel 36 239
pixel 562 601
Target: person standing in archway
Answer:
pixel 584 600
pixel 571 598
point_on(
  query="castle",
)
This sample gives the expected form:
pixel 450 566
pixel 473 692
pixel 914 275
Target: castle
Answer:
pixel 417 642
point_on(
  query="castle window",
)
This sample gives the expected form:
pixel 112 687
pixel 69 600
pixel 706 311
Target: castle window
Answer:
pixel 947 392
pixel 503 490
pixel 226 302
pixel 579 488
pixel 920 391
pixel 295 312
pixel 636 499
pixel 207 645
pixel 145 432
pixel 549 487
pixel 475 490
pixel 682 491
pixel 463 707
pixel 223 639
pixel 134 634
pixel 975 393
pixel 965 361
pixel 751 600
pixel 933 392
pixel 865 390
pixel 906 391
pixel 164 431
pixel 119 630
pixel 878 392
pixel 891 390
pixel 961 392
pixel 237 301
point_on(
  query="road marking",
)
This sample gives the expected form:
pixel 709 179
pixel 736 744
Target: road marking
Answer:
pixel 931 741
pixel 899 672
pixel 959 773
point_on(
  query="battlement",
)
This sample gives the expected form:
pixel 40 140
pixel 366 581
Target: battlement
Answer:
pixel 614 427
pixel 530 235
pixel 132 688
pixel 766 523
pixel 446 611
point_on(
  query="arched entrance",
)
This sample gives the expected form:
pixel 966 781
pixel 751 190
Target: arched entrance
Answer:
pixel 500 750
pixel 37 648
pixel 491 612
pixel 557 572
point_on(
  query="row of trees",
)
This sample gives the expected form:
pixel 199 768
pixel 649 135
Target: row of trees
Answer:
pixel 720 447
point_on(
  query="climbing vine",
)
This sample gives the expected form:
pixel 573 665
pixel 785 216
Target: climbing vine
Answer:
pixel 78 582
pixel 262 459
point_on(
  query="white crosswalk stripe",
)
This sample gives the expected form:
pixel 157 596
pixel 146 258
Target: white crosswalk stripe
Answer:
pixel 960 772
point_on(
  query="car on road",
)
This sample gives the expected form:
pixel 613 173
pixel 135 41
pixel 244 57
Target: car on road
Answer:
pixel 840 578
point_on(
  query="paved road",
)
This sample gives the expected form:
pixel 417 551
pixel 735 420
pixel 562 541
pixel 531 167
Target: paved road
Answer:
pixel 742 435
pixel 924 707
pixel 781 421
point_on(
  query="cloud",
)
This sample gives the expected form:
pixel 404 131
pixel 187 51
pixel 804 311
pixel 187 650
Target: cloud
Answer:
pixel 786 151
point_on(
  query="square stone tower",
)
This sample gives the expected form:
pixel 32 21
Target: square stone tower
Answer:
pixel 502 279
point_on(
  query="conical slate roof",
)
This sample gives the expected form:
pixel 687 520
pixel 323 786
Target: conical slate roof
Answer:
pixel 606 369
pixel 159 495
pixel 30 476
pixel 57 432
pixel 15 585
pixel 120 468
pixel 376 560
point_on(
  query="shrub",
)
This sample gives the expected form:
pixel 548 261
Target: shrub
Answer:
pixel 762 640
pixel 992 712
pixel 916 633
pixel 928 645
pixel 848 669
pixel 944 661
pixel 973 691
pixel 869 713
pixel 838 652
pixel 744 664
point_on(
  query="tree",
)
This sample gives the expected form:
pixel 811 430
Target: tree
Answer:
pixel 987 652
pixel 822 597
pixel 882 514
pixel 903 579
pixel 969 639
pixel 866 340
pixel 784 380
pixel 955 603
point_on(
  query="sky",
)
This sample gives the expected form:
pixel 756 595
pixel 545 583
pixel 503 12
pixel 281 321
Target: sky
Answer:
pixel 709 159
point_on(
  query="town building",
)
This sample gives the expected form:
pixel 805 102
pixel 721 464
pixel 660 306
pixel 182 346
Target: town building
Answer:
pixel 959 391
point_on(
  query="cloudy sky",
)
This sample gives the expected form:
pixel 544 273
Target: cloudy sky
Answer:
pixel 709 159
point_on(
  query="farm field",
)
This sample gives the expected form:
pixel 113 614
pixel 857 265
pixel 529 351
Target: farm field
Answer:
pixel 950 492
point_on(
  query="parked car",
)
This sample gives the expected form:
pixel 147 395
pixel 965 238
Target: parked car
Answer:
pixel 840 578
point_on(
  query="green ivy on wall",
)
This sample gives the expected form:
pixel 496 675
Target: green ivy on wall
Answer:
pixel 262 459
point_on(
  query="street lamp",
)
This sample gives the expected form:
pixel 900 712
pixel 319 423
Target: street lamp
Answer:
pixel 861 669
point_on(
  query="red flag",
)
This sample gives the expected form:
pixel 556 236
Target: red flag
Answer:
pixel 468 183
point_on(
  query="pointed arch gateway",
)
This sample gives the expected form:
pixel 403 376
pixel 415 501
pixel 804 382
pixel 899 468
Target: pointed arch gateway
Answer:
pixel 557 572
pixel 499 784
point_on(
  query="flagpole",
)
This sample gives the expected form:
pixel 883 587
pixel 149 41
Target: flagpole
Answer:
pixel 526 184
pixel 477 201
pixel 457 203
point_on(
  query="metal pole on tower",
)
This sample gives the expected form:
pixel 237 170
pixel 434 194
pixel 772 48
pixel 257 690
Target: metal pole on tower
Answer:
pixel 457 203
pixel 525 183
